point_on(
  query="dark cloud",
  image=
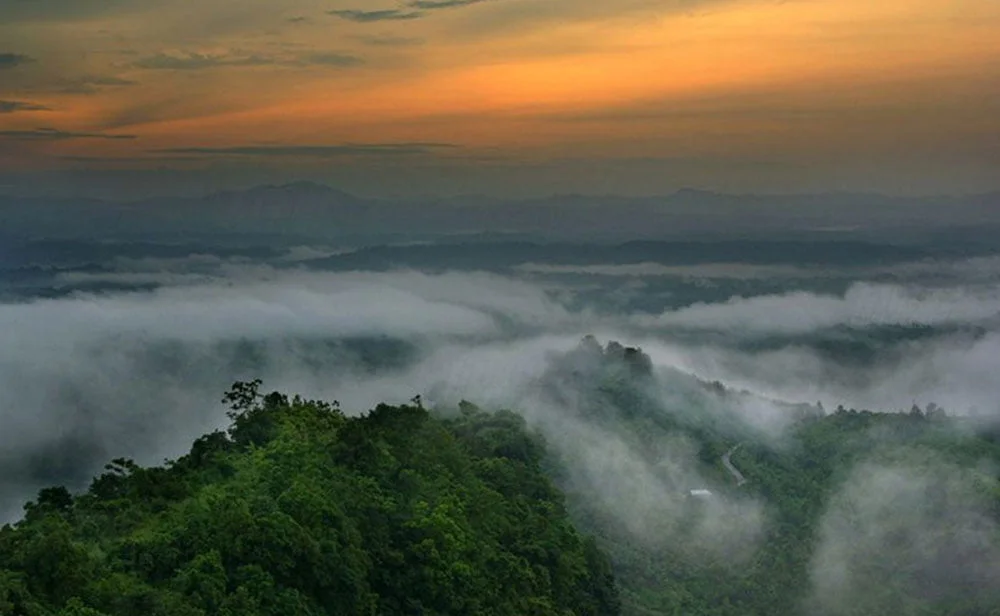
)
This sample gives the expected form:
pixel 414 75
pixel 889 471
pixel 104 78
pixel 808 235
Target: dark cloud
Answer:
pixel 317 151
pixel 401 15
pixel 10 60
pixel 298 19
pixel 196 61
pixel 430 5
pixel 121 160
pixel 372 16
pixel 108 81
pixel 52 134
pixel 331 59
pixel 15 106
pixel 390 41
pixel 89 84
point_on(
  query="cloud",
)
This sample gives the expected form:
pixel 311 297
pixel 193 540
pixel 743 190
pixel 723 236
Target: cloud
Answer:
pixel 16 106
pixel 317 151
pixel 431 5
pixel 390 41
pixel 877 346
pixel 864 304
pixel 191 61
pixel 197 61
pixel 106 81
pixel 11 60
pixel 138 374
pixel 865 371
pixel 100 376
pixel 642 485
pixel 734 271
pixel 90 84
pixel 922 527
pixel 331 59
pixel 276 306
pixel 128 160
pixel 52 134
pixel 402 15
pixel 373 16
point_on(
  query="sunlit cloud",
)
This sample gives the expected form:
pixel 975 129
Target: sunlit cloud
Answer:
pixel 16 106
pixel 847 90
pixel 10 60
pixel 373 16
pixel 53 134
pixel 317 151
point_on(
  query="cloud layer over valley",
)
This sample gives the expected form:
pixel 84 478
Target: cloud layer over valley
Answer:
pixel 87 376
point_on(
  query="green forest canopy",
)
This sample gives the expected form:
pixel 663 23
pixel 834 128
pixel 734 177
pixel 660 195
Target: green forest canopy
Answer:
pixel 298 509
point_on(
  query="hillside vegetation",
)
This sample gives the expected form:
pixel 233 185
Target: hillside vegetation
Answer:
pixel 299 510
pixel 851 512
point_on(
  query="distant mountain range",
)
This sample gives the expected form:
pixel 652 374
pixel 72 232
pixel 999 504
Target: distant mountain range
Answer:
pixel 306 210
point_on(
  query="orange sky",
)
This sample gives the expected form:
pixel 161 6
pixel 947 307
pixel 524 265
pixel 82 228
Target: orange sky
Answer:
pixel 845 88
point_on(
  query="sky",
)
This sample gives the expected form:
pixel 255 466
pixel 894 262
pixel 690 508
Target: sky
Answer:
pixel 503 96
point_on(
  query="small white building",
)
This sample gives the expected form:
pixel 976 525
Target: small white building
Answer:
pixel 700 493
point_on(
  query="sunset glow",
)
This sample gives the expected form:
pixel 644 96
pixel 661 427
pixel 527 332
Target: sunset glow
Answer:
pixel 182 85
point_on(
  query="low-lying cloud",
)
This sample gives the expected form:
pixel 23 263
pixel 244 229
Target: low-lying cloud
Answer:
pixel 921 527
pixel 90 377
pixel 863 305
pixel 94 376
pixel 736 271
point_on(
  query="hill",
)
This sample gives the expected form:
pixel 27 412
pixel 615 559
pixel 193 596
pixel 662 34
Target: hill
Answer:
pixel 706 510
pixel 300 510
pixel 306 211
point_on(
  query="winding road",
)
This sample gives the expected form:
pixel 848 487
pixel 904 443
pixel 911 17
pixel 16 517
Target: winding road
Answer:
pixel 728 463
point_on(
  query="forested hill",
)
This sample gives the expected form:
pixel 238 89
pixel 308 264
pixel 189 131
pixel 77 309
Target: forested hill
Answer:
pixel 299 510
pixel 850 513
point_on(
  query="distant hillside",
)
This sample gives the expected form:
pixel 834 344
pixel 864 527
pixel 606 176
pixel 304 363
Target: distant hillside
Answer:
pixel 505 255
pixel 309 210
pixel 847 513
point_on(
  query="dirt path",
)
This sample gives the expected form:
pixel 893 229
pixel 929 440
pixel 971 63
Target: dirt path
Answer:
pixel 728 463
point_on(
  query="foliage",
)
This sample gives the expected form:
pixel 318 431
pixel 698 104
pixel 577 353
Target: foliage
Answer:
pixel 298 509
pixel 797 479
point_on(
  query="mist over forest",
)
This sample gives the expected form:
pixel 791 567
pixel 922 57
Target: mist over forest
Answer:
pixel 746 425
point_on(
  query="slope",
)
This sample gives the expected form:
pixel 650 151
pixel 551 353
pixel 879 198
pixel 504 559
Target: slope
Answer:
pixel 298 509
